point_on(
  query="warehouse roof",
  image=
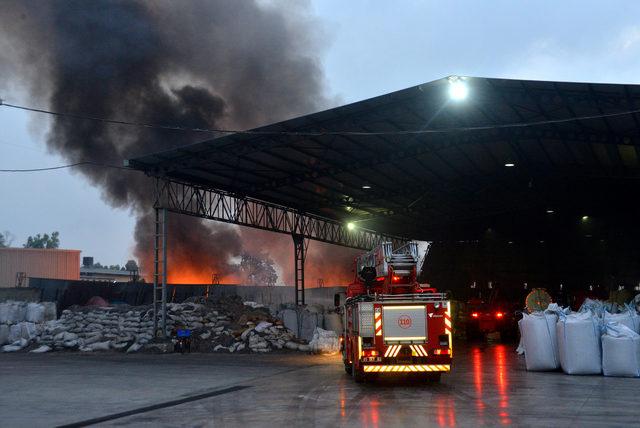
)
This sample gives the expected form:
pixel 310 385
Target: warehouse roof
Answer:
pixel 418 163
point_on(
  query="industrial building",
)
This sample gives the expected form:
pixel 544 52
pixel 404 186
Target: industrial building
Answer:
pixel 17 265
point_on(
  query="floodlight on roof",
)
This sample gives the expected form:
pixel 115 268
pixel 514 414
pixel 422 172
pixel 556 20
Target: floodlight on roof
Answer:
pixel 458 89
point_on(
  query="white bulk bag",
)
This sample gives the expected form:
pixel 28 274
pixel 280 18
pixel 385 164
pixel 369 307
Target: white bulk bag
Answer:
pixel 4 312
pixel 35 312
pixel 579 343
pixel 620 351
pixel 15 332
pixel 12 312
pixel 20 312
pixel 628 318
pixel 539 341
pixel 324 342
pixel 520 348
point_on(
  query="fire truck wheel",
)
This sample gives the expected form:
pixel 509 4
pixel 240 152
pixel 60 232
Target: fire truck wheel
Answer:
pixel 358 375
pixel 347 368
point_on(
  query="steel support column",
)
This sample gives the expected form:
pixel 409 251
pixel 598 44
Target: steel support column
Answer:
pixel 299 254
pixel 160 272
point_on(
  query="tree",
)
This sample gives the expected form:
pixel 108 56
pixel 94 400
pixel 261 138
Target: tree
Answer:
pixel 6 238
pixel 131 266
pixel 44 241
pixel 258 271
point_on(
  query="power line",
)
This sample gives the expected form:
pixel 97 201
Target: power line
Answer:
pixel 51 168
pixel 322 133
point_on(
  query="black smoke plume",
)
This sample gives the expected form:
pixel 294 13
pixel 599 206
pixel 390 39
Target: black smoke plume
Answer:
pixel 205 64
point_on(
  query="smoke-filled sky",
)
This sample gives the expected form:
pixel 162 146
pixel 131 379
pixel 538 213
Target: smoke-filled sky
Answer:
pixel 244 64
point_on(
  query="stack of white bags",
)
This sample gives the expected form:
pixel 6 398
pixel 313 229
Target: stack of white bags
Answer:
pixel 591 341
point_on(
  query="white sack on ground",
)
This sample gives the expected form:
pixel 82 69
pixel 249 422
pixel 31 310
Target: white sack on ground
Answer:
pixel 324 342
pixel 11 348
pixel 579 344
pixel 15 332
pixel 620 351
pixel 520 348
pixel 35 312
pixel 596 307
pixel 41 349
pixel 12 312
pixel 628 318
pixel 539 341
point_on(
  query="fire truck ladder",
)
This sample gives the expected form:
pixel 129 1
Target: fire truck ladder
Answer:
pixel 404 259
pixel 160 272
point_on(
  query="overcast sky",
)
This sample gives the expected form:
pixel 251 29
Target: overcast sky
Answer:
pixel 372 47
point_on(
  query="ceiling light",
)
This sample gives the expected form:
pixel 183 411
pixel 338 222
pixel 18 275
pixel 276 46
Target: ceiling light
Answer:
pixel 458 90
pixel 585 217
pixel 509 165
pixel 366 187
pixel 550 211
pixel 351 225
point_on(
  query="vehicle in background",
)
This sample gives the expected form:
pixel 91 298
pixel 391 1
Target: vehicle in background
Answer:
pixel 484 318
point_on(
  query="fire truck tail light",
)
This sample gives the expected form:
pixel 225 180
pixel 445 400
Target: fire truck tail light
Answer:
pixel 499 314
pixel 441 351
pixel 474 314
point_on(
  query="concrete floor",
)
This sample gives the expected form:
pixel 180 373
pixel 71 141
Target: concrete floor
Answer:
pixel 487 387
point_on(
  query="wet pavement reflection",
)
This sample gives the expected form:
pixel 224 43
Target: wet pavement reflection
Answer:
pixel 488 386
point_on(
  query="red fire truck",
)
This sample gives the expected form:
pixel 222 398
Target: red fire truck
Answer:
pixel 393 324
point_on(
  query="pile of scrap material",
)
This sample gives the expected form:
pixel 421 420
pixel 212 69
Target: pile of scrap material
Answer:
pixel 224 325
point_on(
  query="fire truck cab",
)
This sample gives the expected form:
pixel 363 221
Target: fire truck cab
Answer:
pixel 393 324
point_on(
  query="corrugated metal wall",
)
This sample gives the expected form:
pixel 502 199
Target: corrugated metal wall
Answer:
pixel 40 263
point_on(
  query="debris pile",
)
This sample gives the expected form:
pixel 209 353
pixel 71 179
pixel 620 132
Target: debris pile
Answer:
pixel 224 325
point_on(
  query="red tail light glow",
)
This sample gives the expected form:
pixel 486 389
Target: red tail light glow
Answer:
pixel 474 314
pixel 441 351
pixel 499 314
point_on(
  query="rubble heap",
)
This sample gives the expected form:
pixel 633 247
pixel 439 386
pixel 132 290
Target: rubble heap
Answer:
pixel 224 325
